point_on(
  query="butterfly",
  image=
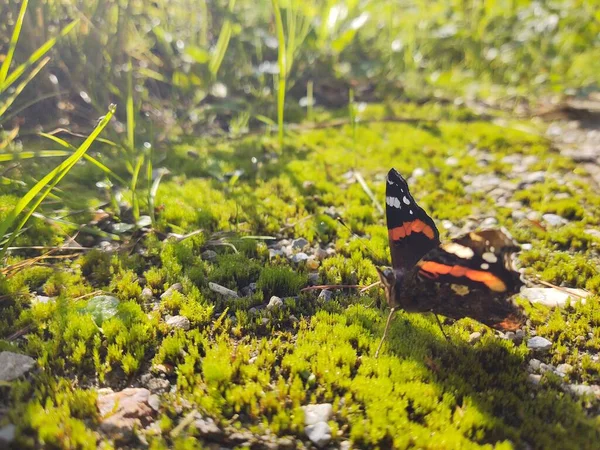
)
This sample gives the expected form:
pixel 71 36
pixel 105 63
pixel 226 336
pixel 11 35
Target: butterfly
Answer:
pixel 469 276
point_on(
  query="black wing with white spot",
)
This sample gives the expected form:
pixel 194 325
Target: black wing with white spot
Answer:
pixel 411 231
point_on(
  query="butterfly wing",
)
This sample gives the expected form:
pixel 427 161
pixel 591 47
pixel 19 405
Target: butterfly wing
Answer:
pixel 474 278
pixel 411 231
pixel 480 260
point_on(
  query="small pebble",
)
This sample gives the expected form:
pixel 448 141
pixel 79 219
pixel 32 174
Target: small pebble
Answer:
pixel 534 378
pixel 564 369
pixel 325 295
pixel 14 365
pixel 320 412
pixel 474 337
pixel 554 220
pixel 274 303
pixel 534 364
pixel 177 287
pixel 539 343
pixel 299 244
pixel 320 253
pixel 584 389
pixel 7 434
pixel 147 294
pixel 222 290
pixel 209 255
pixel 299 257
pixel 179 322
pixel 319 433
pixel 313 278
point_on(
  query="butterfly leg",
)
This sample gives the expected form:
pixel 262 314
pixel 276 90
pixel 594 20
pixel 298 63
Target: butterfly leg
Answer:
pixel 385 331
pixel 439 322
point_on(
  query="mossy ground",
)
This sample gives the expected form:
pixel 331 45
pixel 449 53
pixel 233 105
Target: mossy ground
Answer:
pixel 254 371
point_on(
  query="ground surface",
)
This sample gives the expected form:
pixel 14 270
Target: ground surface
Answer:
pixel 234 371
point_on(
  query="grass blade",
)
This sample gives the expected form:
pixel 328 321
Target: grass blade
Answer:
pixel 281 62
pixel 35 56
pixel 222 44
pixel 9 101
pixel 6 157
pixel 49 181
pixel 89 158
pixel 13 43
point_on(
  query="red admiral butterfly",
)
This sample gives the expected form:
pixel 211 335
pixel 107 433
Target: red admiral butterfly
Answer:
pixel 470 276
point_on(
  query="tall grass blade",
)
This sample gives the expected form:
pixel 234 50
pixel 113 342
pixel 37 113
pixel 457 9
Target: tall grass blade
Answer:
pixel 89 158
pixel 13 43
pixel 35 56
pixel 222 44
pixel 281 62
pixel 10 100
pixel 48 182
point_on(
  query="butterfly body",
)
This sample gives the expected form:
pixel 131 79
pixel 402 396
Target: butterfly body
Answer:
pixel 469 276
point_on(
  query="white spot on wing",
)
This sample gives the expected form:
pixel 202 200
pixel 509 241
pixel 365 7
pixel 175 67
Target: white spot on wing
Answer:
pixel 489 257
pixel 410 211
pixel 396 202
pixel 389 181
pixel 459 250
pixel 485 266
pixel 405 200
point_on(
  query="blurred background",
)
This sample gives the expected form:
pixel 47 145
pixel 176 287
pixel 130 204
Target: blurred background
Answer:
pixel 198 66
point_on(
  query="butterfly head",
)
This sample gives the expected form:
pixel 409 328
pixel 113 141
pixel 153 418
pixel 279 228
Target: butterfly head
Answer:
pixel 391 279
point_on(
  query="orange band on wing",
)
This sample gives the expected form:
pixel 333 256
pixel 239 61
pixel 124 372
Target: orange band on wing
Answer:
pixel 418 226
pixel 435 269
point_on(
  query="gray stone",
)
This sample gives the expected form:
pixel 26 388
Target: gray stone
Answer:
pixel 489 222
pixel 42 299
pixel 156 385
pixel 325 295
pixel 299 244
pixel 14 365
pixel 532 178
pixel 534 379
pixel 474 337
pixel 539 343
pixel 122 412
pixel 319 433
pixel 554 220
pixel 222 290
pixel 208 428
pixel 418 172
pixel 147 294
pixel 209 255
pixel 320 253
pixel 7 434
pixel 546 368
pixel 592 232
pixel 518 215
pixel 552 297
pixel 564 369
pixel 177 287
pixel 321 412
pixel 313 278
pixel 299 257
pixel 274 303
pixel 534 365
pixel 179 322
pixel 584 390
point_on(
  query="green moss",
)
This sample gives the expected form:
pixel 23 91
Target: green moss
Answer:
pixel 254 369
pixel 96 267
pixel 280 281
